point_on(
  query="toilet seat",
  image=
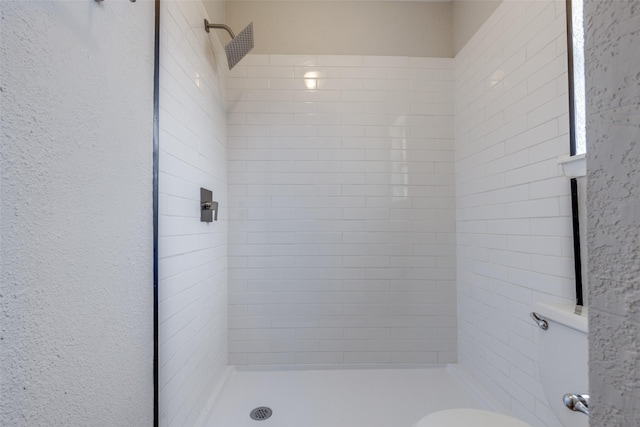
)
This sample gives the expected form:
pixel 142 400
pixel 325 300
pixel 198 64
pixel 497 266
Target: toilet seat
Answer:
pixel 469 418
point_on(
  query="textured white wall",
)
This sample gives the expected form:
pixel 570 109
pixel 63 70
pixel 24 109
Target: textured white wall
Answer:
pixel 193 263
pixel 398 28
pixel 514 244
pixel 613 88
pixel 76 235
pixel 341 246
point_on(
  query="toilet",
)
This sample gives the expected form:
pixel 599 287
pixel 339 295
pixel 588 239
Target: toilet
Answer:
pixel 469 418
pixel 563 365
pixel 563 356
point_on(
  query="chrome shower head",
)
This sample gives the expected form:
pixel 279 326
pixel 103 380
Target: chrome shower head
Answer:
pixel 239 45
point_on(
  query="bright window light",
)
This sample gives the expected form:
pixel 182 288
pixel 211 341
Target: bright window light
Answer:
pixel 578 76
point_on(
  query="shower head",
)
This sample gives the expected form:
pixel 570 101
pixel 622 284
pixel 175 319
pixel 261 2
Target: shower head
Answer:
pixel 239 45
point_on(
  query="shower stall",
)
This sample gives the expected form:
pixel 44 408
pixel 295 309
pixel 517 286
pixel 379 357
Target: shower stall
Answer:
pixel 382 217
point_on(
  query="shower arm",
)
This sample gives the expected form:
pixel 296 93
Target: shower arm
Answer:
pixel 208 26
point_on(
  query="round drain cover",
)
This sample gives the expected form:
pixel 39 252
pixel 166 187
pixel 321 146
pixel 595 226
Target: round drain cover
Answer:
pixel 260 414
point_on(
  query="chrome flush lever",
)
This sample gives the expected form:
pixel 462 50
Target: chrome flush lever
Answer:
pixel 542 324
pixel 577 402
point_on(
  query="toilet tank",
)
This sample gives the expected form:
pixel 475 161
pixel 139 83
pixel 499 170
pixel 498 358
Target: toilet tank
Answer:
pixel 563 359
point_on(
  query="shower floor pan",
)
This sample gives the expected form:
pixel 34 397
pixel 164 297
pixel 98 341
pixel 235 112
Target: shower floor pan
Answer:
pixel 343 397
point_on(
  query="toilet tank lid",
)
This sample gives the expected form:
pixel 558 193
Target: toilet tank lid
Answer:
pixel 564 314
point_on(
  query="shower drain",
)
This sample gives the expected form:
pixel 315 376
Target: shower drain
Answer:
pixel 261 413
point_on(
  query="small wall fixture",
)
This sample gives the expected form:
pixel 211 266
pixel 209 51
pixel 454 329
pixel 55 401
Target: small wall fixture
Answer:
pixel 208 208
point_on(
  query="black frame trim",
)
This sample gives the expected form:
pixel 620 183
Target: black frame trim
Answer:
pixel 577 256
pixel 156 158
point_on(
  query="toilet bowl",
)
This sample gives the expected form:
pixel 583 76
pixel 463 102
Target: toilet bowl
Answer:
pixel 469 418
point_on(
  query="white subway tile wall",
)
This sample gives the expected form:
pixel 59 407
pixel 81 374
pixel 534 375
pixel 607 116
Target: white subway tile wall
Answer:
pixel 341 210
pixel 514 243
pixel 192 254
